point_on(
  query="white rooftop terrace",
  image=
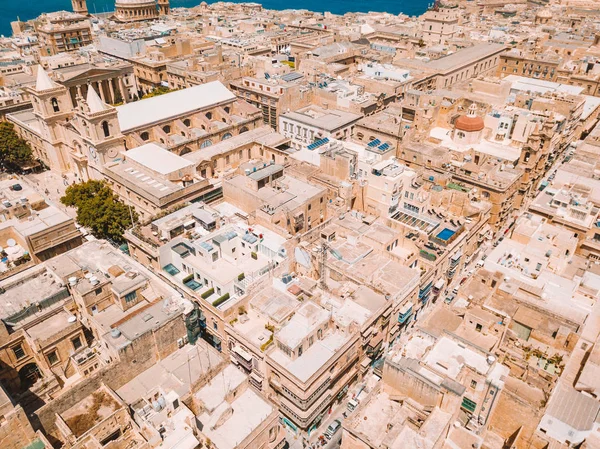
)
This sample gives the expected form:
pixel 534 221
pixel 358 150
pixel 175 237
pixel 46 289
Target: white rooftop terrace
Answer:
pixel 304 322
pixel 157 159
pixel 311 360
pixel 248 412
pixel 449 356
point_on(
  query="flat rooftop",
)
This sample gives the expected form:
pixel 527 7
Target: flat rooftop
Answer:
pixel 327 119
pixel 177 372
pixel 156 158
pixel 448 357
pixel 28 288
pixel 248 412
pixel 313 358
pixel 306 320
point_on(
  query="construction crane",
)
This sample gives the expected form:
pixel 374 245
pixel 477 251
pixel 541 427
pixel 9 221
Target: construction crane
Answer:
pixel 325 249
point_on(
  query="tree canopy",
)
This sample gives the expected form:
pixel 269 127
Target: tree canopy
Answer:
pixel 15 152
pixel 99 209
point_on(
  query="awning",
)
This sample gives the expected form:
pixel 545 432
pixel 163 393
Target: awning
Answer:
pixel 405 308
pixel 243 354
pixel 439 284
pixel 376 340
pixel 189 223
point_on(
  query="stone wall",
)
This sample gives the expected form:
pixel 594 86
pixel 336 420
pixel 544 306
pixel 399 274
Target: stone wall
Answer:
pixel 16 432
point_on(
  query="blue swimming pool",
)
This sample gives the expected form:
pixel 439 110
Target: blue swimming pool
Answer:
pixel 445 234
pixel 193 284
pixel 171 269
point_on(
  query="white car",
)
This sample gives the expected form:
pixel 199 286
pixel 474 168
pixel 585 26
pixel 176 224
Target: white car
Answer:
pixel 333 428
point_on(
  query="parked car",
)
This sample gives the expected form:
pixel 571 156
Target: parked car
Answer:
pixel 449 298
pixel 16 187
pixel 333 428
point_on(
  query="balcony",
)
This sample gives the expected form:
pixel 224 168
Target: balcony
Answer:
pixel 405 314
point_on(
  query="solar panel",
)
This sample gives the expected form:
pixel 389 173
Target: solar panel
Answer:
pixel 374 143
pixel 293 76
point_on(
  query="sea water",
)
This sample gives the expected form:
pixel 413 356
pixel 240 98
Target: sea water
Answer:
pixel 29 9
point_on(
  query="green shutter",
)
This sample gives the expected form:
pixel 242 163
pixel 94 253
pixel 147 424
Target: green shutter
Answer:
pixel 469 405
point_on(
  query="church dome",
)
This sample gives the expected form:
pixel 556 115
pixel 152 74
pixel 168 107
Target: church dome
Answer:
pixel 134 2
pixel 470 122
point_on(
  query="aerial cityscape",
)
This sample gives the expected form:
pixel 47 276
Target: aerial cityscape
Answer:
pixel 225 226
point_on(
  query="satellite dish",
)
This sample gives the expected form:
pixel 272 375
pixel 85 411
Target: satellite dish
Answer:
pixel 11 242
pixel 303 258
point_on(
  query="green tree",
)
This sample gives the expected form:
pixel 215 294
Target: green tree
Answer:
pixel 15 152
pixel 157 91
pixel 99 209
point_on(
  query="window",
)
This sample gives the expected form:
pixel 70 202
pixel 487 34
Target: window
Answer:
pixel 54 103
pixel 166 129
pixel 76 343
pixel 129 297
pixel 206 143
pixel 19 352
pixel 53 358
pixel 187 122
pixel 272 433
pixel 299 350
pixel 209 115
pixel 215 326
pixel 145 136
pixel 105 129
pixel 98 291
pixel 478 327
pixel 473 384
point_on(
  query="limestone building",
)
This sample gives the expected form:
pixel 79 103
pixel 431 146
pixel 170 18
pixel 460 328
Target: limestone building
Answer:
pixel 136 10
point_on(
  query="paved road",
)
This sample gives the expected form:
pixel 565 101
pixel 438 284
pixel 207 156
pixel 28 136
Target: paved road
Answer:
pixel 55 185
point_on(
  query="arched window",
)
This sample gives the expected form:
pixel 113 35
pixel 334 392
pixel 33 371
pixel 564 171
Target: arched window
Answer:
pixel 145 136
pixel 360 136
pixel 226 136
pixel 206 143
pixel 209 115
pixel 186 150
pixel 187 122
pixel 244 129
pixel 227 109
pixel 54 103
pixel 106 129
pixel 166 129
pixel 461 135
